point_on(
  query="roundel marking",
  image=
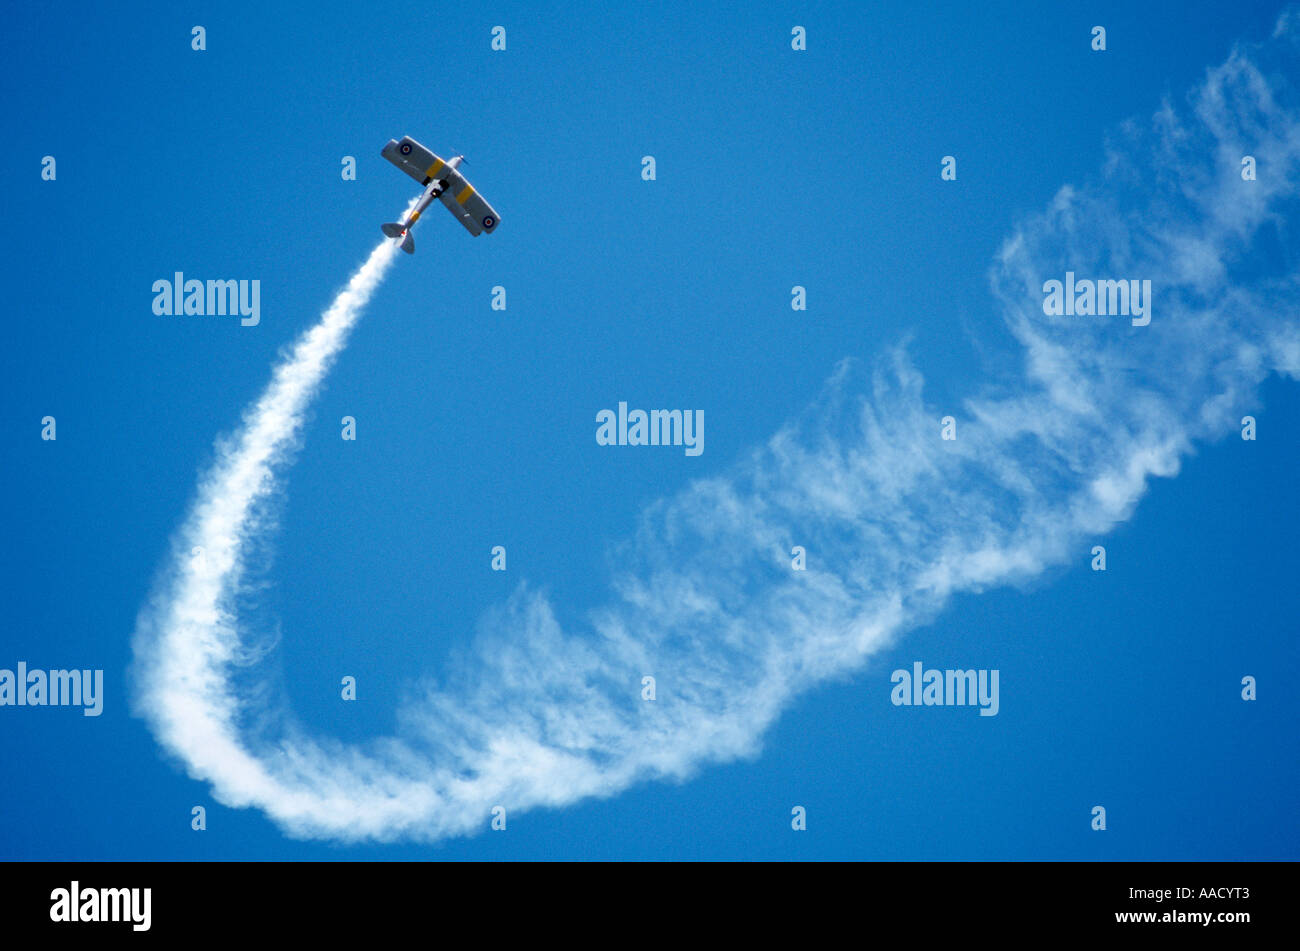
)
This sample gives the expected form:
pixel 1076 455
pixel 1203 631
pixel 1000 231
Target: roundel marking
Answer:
pixel 405 149
pixel 489 221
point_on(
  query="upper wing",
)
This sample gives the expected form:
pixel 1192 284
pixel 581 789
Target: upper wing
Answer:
pixel 469 207
pixel 413 159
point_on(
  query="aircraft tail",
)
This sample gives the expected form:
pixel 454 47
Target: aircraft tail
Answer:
pixel 395 230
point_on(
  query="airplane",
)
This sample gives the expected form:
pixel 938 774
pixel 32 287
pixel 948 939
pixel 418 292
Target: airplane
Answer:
pixel 441 180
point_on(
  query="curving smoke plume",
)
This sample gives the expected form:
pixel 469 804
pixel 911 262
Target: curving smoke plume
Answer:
pixel 895 520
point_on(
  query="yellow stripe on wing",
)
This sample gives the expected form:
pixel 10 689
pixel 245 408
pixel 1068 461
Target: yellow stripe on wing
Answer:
pixel 464 194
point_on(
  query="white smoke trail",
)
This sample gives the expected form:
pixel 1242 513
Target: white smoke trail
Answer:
pixel 894 520
pixel 192 633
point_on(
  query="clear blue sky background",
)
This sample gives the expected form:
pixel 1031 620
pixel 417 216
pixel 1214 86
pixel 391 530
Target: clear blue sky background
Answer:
pixel 476 427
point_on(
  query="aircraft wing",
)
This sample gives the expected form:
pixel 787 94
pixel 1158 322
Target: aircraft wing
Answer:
pixel 470 209
pixel 412 158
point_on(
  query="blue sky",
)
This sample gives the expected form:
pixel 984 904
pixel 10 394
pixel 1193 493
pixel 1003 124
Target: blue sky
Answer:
pixel 476 427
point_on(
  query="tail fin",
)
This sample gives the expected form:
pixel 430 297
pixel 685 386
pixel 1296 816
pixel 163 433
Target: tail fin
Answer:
pixel 394 230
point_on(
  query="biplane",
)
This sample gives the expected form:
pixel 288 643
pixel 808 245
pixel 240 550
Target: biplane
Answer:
pixel 442 180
